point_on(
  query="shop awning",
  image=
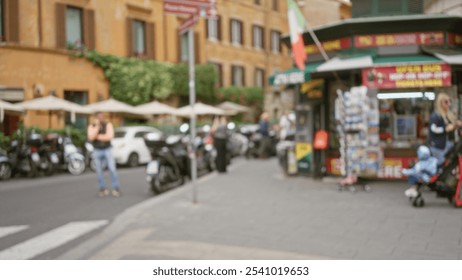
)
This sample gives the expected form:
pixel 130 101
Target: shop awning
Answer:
pixel 404 59
pixel 338 63
pixel 293 76
pixel 450 59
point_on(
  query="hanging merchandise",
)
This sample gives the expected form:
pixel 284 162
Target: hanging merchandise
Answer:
pixel 321 140
pixel 357 116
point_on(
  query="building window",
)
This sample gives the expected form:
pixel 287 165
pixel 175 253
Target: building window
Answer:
pixel 275 5
pixel 2 32
pixel 74 34
pixel 213 28
pixel 257 2
pixel 259 77
pixel 219 71
pixel 275 41
pixel 237 76
pixel 81 98
pixel 75 27
pixel 184 47
pixel 257 37
pixel 139 38
pixel 236 32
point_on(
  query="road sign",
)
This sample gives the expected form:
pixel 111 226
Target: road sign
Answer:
pixel 204 8
pixel 187 24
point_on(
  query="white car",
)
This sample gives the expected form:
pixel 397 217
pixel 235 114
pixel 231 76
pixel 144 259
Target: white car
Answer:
pixel 128 145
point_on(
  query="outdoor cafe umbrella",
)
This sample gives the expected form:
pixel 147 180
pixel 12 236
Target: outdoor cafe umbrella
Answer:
pixel 112 106
pixel 233 108
pixel 52 103
pixel 8 107
pixel 155 108
pixel 199 109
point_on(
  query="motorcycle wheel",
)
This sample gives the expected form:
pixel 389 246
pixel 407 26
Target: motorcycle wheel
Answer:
pixel 5 171
pixel 33 172
pixel 93 165
pixel 48 168
pixel 76 166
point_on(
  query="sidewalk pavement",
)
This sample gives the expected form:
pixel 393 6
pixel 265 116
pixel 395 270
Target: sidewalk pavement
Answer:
pixel 254 212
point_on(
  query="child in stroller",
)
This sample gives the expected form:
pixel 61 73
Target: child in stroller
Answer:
pixel 422 171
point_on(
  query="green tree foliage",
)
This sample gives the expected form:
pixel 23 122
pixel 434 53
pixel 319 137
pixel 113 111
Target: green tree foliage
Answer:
pixel 251 96
pixel 136 81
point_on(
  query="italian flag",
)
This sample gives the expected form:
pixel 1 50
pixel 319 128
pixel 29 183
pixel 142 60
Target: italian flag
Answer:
pixel 296 25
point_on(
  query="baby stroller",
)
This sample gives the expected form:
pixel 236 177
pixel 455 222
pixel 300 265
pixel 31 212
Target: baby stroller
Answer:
pixel 447 181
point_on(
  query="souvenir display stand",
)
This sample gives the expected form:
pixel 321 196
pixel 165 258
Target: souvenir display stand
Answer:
pixel 357 116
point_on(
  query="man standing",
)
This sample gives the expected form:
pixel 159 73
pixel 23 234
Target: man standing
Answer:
pixel 101 134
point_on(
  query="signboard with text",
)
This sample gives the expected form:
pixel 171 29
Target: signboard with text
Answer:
pixel 399 39
pixel 407 76
pixel 332 45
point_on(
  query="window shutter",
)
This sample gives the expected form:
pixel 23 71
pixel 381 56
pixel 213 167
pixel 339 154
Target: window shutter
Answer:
pixel 231 31
pixel 243 76
pixel 179 45
pixel 253 35
pixel 11 20
pixel 150 40
pixel 207 28
pixel 263 38
pixel 61 26
pixel 241 30
pixel 196 48
pixel 89 29
pixel 232 75
pixel 220 75
pixel 129 26
pixel 219 28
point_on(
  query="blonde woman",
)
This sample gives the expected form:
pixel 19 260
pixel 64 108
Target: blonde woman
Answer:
pixel 442 122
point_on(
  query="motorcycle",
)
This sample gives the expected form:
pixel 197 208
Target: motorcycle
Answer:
pixel 37 147
pixel 63 154
pixel 170 163
pixel 6 169
pixel 24 160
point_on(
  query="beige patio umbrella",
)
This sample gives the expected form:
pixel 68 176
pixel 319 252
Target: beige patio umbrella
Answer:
pixel 155 108
pixel 233 108
pixel 199 109
pixel 8 107
pixel 52 103
pixel 112 106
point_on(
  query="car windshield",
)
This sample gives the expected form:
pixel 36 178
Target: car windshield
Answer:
pixel 119 134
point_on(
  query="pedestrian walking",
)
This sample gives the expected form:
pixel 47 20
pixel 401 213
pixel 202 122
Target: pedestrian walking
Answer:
pixel 101 132
pixel 220 141
pixel 442 125
pixel 264 131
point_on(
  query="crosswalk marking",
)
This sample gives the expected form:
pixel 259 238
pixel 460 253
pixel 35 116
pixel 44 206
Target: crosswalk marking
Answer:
pixel 50 240
pixel 4 231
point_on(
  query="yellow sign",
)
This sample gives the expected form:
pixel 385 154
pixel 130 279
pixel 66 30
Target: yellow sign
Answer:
pixel 302 150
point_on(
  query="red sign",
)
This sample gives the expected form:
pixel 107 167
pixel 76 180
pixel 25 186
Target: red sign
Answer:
pixel 399 39
pixel 407 76
pixel 455 39
pixel 333 45
pixel 187 24
pixel 206 8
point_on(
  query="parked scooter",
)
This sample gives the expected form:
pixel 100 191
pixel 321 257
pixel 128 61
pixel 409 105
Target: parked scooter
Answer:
pixel 64 155
pixel 6 168
pixel 170 163
pixel 24 160
pixel 44 164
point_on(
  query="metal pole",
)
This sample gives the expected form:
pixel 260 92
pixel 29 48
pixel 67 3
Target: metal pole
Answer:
pixel 192 101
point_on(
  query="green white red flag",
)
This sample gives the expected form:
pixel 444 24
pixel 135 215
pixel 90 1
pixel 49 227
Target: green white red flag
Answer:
pixel 296 26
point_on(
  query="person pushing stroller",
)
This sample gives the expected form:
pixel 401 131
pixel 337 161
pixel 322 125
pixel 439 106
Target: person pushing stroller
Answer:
pixel 422 171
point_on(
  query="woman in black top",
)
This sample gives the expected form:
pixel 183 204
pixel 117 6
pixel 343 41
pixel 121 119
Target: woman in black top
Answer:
pixel 442 123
